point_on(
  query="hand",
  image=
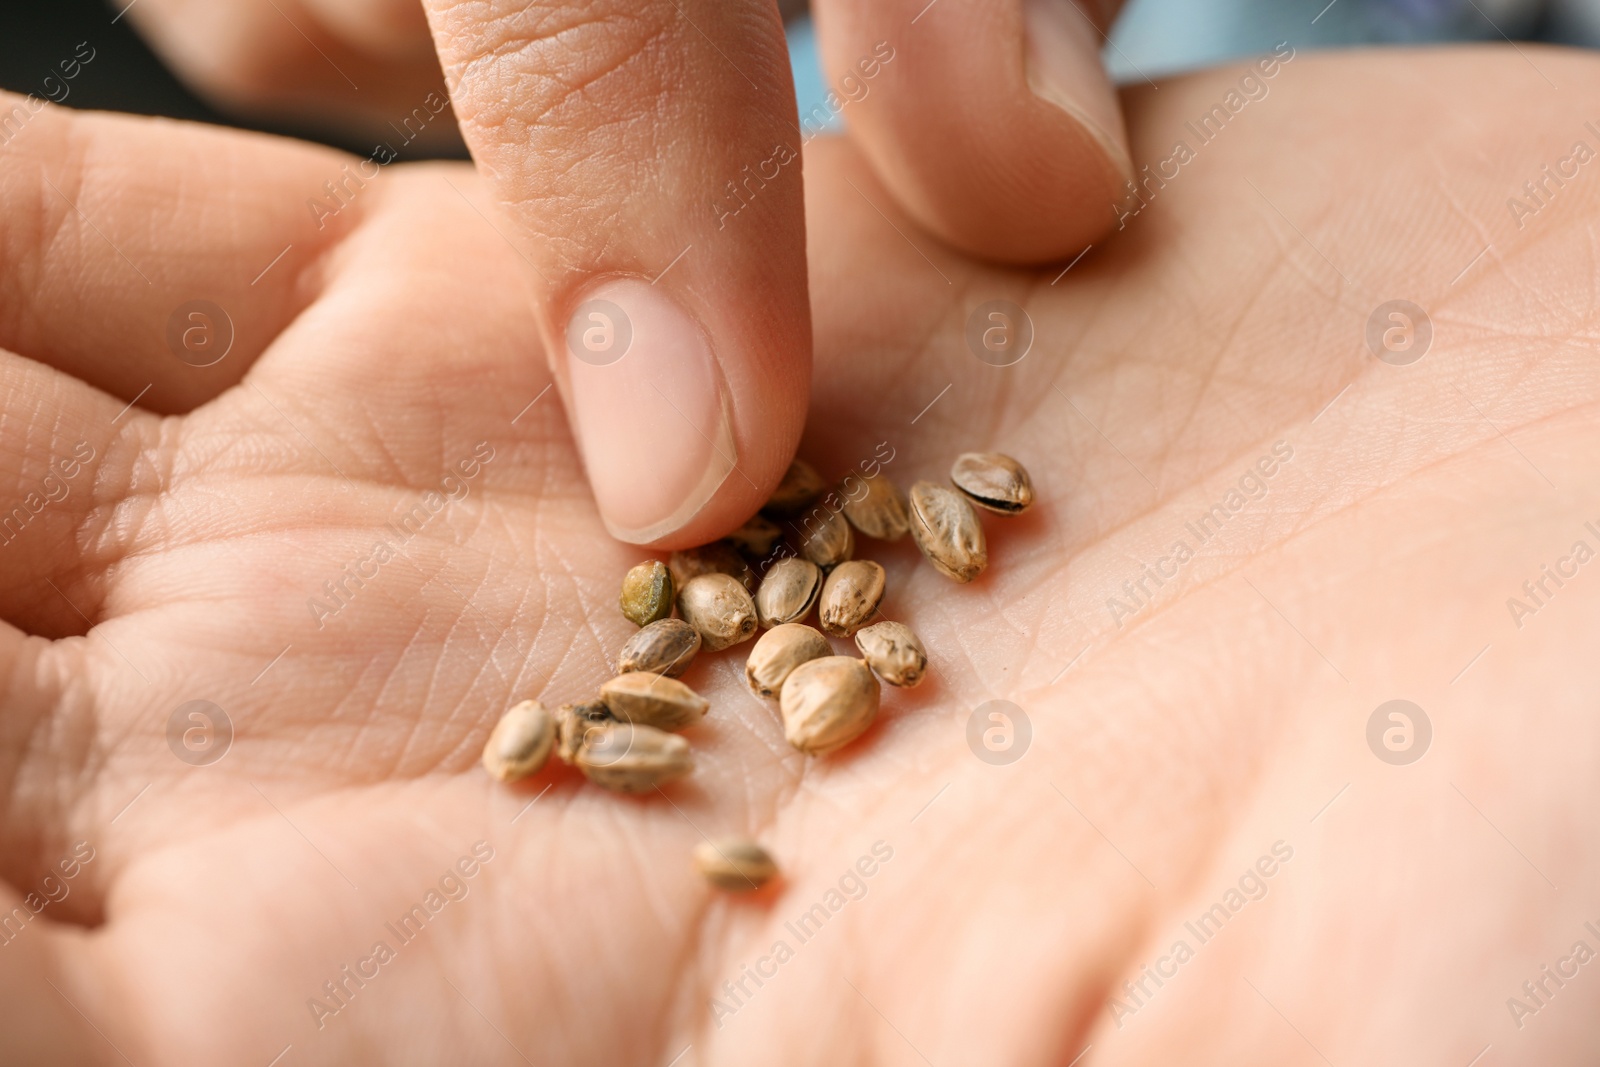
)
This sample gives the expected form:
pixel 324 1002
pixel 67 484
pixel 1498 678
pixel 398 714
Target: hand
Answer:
pixel 644 160
pixel 1167 755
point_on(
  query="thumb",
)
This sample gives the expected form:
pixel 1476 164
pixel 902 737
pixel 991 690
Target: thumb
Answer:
pixel 992 121
pixel 645 159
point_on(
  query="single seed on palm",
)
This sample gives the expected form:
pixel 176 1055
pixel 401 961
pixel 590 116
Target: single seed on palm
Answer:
pixel 520 743
pixel 994 481
pixel 788 591
pixel 800 486
pixel 947 531
pixel 574 723
pixel 778 652
pixel 736 864
pixel 719 557
pixel 653 700
pixel 828 539
pixel 756 537
pixel 720 609
pixel 666 646
pixel 647 593
pixel 879 510
pixel 629 758
pixel 893 652
pixel 827 703
pixel 851 596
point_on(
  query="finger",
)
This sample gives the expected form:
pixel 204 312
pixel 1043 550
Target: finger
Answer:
pixel 348 67
pixel 39 1011
pixel 65 456
pixel 992 121
pixel 644 156
pixel 156 260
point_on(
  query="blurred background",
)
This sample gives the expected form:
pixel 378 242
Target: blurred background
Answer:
pixel 1152 38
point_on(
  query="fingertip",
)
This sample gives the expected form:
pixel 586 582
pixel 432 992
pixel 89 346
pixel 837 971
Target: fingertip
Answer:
pixel 996 126
pixel 681 442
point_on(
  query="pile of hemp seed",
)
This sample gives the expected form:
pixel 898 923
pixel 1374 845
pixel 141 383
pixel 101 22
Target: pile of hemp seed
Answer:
pixel 627 738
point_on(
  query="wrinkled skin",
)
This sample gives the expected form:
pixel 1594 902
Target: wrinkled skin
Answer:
pixel 1173 752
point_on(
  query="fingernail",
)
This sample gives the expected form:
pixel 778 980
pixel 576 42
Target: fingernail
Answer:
pixel 649 408
pixel 1064 68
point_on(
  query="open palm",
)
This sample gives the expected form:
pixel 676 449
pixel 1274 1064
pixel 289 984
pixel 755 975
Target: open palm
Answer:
pixel 1176 732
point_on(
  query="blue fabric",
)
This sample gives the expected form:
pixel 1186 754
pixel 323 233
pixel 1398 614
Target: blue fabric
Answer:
pixel 1155 37
pixel 810 87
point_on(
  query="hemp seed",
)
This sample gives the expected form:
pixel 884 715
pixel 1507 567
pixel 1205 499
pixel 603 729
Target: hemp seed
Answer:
pixel 830 541
pixel 719 557
pixel 788 592
pixel 778 652
pixel 736 864
pixel 647 699
pixel 756 537
pixel 946 529
pixel 894 652
pixel 851 596
pixel 574 722
pixel 630 758
pixel 647 593
pixel 882 512
pixel 666 646
pixel 827 703
pixel 520 743
pixel 800 486
pixel 719 608
pixel 993 481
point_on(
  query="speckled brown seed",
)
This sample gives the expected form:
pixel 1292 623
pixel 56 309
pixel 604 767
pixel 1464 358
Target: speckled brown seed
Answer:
pixel 778 652
pixel 788 591
pixel 878 507
pixel 756 537
pixel 720 609
pixel 653 700
pixel 850 597
pixel 629 758
pixel 736 864
pixel 666 646
pixel 647 593
pixel 575 721
pixel 829 539
pixel 520 742
pixel 719 557
pixel 894 652
pixel 994 481
pixel 947 530
pixel 800 486
pixel 827 703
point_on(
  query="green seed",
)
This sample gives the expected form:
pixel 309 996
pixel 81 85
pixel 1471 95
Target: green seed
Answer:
pixel 647 593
